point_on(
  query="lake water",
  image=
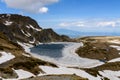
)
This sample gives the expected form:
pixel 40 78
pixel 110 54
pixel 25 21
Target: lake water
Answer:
pixel 50 50
pixel 62 54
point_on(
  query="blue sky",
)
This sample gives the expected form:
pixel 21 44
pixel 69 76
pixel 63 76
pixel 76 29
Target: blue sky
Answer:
pixel 79 15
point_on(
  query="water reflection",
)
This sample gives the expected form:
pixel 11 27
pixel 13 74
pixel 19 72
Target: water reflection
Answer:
pixel 50 50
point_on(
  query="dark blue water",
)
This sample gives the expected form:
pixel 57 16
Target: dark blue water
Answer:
pixel 50 50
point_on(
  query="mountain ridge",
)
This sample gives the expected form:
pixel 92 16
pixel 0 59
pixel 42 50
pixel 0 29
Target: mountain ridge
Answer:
pixel 25 29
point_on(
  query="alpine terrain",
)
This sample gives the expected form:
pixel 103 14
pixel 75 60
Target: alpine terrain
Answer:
pixel 29 52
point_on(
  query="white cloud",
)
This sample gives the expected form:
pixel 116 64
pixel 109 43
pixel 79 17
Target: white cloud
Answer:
pixel 34 6
pixel 92 23
pixel 107 23
pixel 43 10
pixel 67 24
pixel 64 24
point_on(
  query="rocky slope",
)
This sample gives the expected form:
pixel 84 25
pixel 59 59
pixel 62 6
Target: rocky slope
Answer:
pixel 16 28
pixel 13 57
pixel 25 29
pixel 15 62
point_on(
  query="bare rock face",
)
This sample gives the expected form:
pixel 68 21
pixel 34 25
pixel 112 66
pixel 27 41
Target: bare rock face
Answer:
pixel 25 29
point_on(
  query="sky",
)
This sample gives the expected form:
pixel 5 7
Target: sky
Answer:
pixel 77 15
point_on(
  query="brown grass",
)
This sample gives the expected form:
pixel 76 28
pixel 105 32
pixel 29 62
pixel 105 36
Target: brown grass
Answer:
pixel 20 61
pixel 114 66
pixel 98 50
pixel 58 77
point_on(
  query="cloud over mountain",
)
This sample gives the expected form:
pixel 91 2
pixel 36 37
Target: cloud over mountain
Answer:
pixel 65 24
pixel 91 23
pixel 34 6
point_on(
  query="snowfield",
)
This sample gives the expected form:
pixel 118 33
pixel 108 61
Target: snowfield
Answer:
pixel 25 46
pixel 117 47
pixel 22 74
pixel 114 46
pixel 71 59
pixel 5 57
pixel 112 75
pixel 63 70
pixel 114 41
pixel 116 59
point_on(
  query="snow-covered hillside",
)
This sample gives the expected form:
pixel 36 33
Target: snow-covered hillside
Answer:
pixel 71 59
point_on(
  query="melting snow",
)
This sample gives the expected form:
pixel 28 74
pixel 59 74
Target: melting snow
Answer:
pixel 112 75
pixel 3 16
pixel 27 34
pixel 32 41
pixel 6 57
pixel 115 41
pixel 8 15
pixel 114 60
pixel 25 46
pixel 114 46
pixel 30 26
pixel 22 74
pixel 7 23
pixel 117 47
pixel 69 53
pixel 26 55
pixel 63 70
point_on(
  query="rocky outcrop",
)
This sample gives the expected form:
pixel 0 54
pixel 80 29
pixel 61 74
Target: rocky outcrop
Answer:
pixel 25 29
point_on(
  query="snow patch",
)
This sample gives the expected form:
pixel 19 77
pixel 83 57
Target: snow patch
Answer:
pixel 32 41
pixel 30 26
pixel 5 57
pixel 112 75
pixel 26 34
pixel 8 15
pixel 22 74
pixel 114 41
pixel 3 16
pixel 26 55
pixel 25 46
pixel 115 60
pixel 7 23
pixel 63 70
pixel 117 47
pixel 114 46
